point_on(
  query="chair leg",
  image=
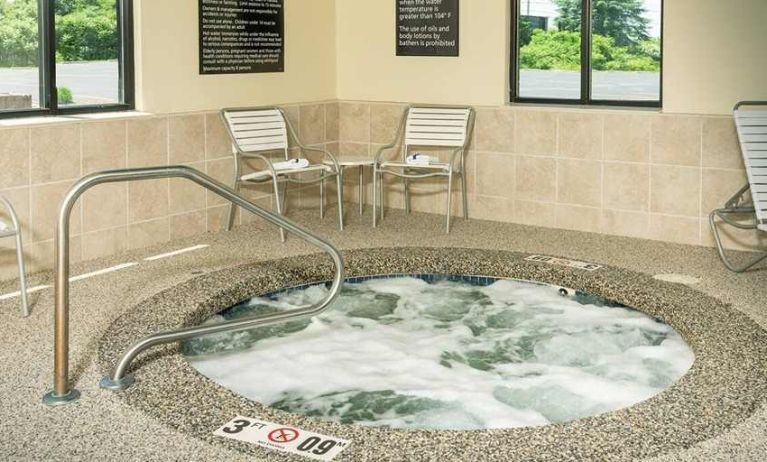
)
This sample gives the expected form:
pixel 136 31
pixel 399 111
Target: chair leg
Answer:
pixel 382 200
pixel 340 187
pixel 278 204
pixel 449 201
pixel 375 196
pixel 465 195
pixel 22 275
pixel 362 189
pixel 720 247
pixel 232 208
pixel 406 183
pixel 322 199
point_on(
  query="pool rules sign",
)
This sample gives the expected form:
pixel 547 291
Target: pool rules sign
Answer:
pixel 242 36
pixel 427 27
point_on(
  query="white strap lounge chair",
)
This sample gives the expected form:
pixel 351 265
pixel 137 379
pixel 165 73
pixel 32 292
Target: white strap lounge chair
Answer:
pixel 256 132
pixel 751 122
pixel 426 127
pixel 13 230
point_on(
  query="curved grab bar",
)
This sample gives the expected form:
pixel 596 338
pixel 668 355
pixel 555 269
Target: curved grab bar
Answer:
pixel 62 393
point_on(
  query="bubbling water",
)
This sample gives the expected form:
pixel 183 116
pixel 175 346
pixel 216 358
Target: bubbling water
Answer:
pixel 407 353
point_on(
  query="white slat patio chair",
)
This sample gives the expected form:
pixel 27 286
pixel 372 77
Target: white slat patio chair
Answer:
pixel 258 131
pixel 13 230
pixel 751 123
pixel 427 127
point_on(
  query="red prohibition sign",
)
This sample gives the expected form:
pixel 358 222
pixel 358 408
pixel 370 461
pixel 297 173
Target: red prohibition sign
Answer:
pixel 283 435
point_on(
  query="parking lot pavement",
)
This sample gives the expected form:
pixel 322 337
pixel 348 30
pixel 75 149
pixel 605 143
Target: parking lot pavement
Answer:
pixel 93 82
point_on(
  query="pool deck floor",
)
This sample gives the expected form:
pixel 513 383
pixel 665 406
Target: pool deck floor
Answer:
pixel 101 426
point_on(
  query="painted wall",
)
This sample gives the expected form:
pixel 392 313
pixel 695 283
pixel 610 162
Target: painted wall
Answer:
pixel 714 56
pixel 167 61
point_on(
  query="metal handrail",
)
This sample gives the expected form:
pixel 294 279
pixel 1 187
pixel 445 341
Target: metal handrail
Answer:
pixel 62 393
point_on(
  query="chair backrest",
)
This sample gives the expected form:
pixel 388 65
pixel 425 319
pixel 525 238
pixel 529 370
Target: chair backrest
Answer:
pixel 751 123
pixel 435 126
pixel 254 130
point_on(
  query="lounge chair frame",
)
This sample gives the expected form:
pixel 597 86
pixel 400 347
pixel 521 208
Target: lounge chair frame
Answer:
pixel 15 232
pixel 328 167
pixel 455 166
pixel 751 199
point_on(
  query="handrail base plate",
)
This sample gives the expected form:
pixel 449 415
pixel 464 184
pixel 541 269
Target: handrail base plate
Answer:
pixel 117 385
pixel 52 399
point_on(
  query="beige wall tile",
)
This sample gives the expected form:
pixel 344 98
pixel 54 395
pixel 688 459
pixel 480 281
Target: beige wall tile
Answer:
pixel 626 186
pixel 675 190
pixel 105 207
pixel 8 268
pixel 580 135
pixel 579 182
pixel 347 150
pixel 536 179
pixel 384 121
pixel 218 143
pixel 676 140
pixel 186 139
pixel 14 158
pixel 188 224
pixel 223 171
pixel 579 218
pixel 312 121
pixel 148 142
pixel 681 230
pixel 535 213
pixel 354 122
pixel 719 186
pixel 55 153
pixel 217 218
pixel 104 243
pixel 627 137
pixel 536 133
pixel 490 208
pixel 148 233
pixel 623 223
pixel 495 174
pixel 45 203
pixel 147 200
pixel 104 146
pixel 331 121
pixel 41 254
pixel 720 143
pixel 185 195
pixel 494 130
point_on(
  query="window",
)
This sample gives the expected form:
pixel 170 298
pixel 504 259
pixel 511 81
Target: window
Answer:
pixel 587 52
pixel 65 56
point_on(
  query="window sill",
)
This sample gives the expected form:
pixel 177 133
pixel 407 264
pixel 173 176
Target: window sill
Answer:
pixel 585 107
pixel 62 119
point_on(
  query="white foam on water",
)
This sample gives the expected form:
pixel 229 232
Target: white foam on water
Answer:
pixel 405 353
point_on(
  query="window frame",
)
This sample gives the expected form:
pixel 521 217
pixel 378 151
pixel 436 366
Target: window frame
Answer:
pixel 586 70
pixel 47 67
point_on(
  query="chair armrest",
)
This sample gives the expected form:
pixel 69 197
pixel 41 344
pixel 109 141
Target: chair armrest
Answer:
pixel 11 212
pixel 397 136
pixel 261 157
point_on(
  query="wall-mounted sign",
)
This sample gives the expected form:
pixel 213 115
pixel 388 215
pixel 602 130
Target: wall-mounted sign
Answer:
pixel 242 36
pixel 427 27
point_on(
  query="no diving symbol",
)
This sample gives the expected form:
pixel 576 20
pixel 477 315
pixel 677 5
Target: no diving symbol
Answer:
pixel 283 435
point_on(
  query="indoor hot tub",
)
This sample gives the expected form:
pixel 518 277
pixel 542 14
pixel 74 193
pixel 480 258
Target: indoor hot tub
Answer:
pixel 529 361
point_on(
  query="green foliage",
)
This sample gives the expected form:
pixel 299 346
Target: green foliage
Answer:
pixel 562 51
pixel 18 33
pixel 65 95
pixel 621 20
pixel 85 30
pixel 552 50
